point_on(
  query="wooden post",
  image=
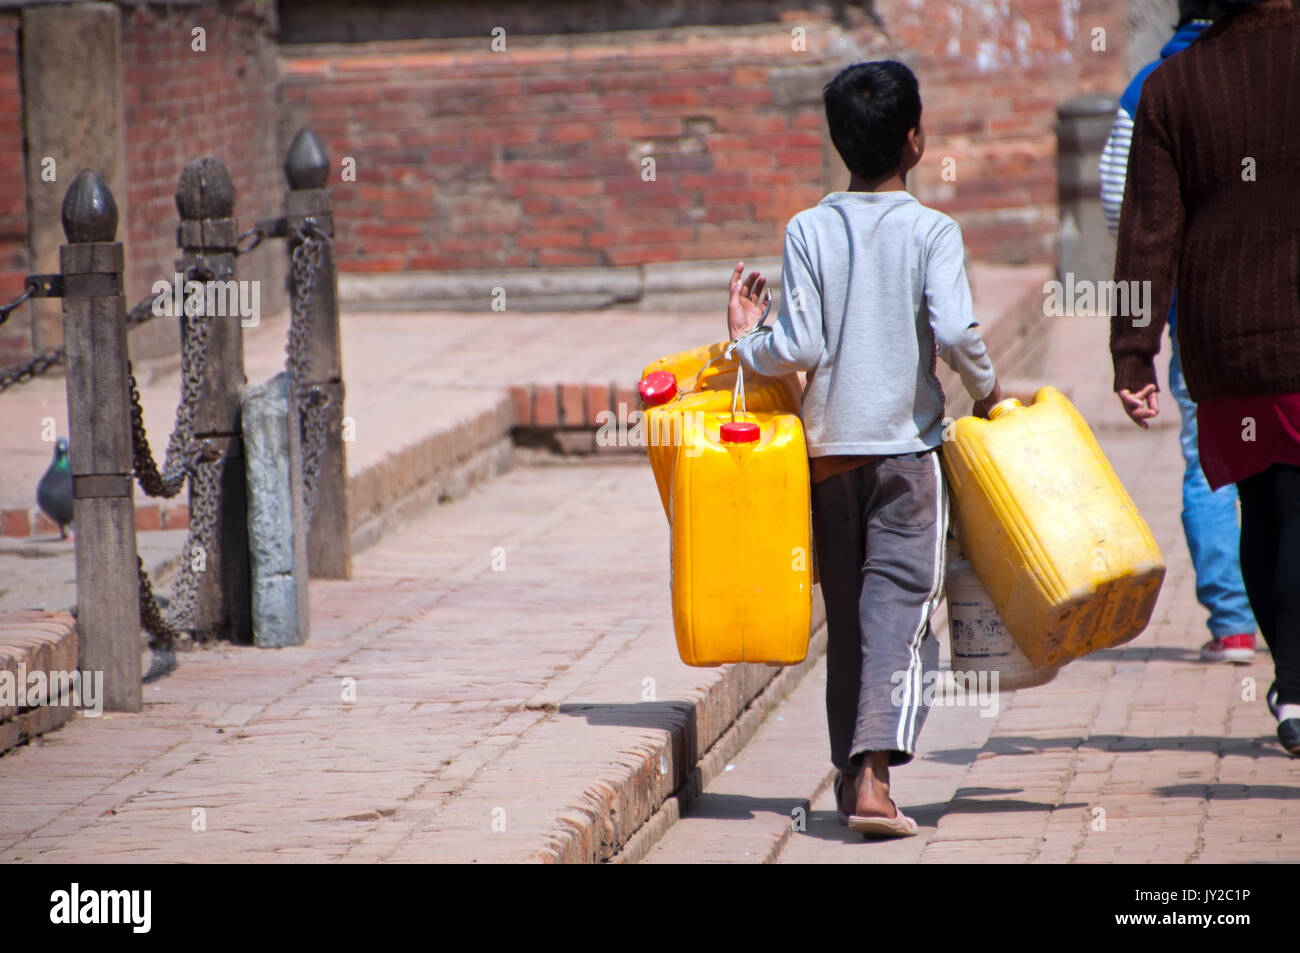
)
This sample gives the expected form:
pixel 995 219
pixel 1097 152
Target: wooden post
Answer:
pixel 99 441
pixel 329 544
pixel 205 198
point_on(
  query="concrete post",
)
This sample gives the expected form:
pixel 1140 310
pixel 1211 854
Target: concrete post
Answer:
pixel 1087 249
pixel 277 530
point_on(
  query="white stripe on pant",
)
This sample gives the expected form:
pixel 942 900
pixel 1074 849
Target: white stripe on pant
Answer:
pixel 880 534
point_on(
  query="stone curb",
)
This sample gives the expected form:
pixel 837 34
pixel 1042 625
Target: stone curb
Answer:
pixel 150 515
pixel 714 761
pixel 627 814
pixel 34 642
pixel 648 287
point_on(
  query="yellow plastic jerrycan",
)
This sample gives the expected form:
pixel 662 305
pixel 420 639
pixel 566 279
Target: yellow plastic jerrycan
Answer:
pixel 695 382
pixel 1049 529
pixel 741 531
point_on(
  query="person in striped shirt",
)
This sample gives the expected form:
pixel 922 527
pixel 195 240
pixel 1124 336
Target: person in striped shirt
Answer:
pixel 1210 520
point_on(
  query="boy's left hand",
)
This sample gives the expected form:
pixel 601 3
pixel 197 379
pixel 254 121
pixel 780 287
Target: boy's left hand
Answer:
pixel 745 303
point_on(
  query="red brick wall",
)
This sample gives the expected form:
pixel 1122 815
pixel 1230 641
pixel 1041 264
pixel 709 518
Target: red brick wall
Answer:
pixel 472 159
pixel 468 158
pixel 991 83
pixel 180 105
pixel 15 335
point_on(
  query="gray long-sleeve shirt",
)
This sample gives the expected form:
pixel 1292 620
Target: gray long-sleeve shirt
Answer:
pixel 873 284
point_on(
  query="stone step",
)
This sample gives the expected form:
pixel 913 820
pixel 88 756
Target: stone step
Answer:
pixel 38 653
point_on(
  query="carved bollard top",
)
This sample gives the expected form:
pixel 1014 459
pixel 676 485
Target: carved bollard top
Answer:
pixel 204 190
pixel 306 165
pixel 89 212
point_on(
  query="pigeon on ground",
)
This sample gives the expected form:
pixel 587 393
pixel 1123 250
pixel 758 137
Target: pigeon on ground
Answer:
pixel 54 492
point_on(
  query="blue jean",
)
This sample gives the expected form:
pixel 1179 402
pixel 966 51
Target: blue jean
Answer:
pixel 1210 524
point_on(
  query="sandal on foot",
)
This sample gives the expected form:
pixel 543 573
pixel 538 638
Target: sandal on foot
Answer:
pixel 900 825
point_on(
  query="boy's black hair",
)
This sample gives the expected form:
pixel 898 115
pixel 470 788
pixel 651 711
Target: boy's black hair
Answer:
pixel 870 109
pixel 1189 10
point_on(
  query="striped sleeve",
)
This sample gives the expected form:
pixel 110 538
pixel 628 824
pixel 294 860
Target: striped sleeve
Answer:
pixel 1114 168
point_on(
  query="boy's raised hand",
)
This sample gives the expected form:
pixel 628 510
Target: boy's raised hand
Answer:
pixel 745 302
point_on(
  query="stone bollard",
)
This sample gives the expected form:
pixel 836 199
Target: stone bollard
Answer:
pixel 1087 249
pixel 277 528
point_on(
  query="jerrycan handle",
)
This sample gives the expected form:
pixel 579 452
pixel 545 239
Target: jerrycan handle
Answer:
pixel 738 393
pixel 730 349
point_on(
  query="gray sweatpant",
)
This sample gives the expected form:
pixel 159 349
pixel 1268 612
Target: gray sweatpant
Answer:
pixel 880 532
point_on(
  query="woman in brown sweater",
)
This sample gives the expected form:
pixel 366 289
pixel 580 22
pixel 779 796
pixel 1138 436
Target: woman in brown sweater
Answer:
pixel 1212 210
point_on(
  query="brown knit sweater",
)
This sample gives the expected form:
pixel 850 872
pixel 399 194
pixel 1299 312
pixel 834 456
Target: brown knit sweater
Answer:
pixel 1190 220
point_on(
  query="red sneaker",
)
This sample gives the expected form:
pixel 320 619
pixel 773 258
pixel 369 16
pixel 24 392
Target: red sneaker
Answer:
pixel 1230 648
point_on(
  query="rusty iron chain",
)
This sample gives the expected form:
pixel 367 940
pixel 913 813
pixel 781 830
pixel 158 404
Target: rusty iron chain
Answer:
pixel 311 401
pixel 194 362
pixel 54 356
pixel 151 617
pixel 185 457
pixel 198 543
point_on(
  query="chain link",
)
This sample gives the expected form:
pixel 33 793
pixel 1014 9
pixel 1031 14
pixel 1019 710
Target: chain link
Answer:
pixel 194 362
pixel 184 457
pixel 151 617
pixel 311 401
pixel 198 543
pixel 53 357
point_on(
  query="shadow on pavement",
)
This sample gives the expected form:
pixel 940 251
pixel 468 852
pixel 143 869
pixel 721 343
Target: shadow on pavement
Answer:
pixel 1145 653
pixel 963 804
pixel 958 756
pixel 1231 792
pixel 741 807
pixel 1264 746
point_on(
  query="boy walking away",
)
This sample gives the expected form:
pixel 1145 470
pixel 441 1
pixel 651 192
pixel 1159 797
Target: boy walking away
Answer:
pixel 873 288
pixel 1209 516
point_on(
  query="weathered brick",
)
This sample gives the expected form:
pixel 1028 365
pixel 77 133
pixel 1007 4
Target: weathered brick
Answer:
pixel 546 411
pixel 148 517
pixel 16 522
pixel 571 409
pixel 44 525
pixel 596 398
pixel 521 405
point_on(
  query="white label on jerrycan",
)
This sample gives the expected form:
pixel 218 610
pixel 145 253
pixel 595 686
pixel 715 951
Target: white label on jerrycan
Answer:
pixel 979 640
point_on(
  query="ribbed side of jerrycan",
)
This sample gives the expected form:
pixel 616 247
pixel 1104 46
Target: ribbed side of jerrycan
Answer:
pixel 699 386
pixel 1049 529
pixel 741 580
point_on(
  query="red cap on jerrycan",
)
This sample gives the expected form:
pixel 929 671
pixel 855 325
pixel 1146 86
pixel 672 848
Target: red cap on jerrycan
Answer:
pixel 657 387
pixel 738 431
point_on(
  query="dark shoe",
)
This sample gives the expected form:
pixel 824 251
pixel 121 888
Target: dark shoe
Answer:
pixel 839 798
pixel 1288 733
pixel 1270 699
